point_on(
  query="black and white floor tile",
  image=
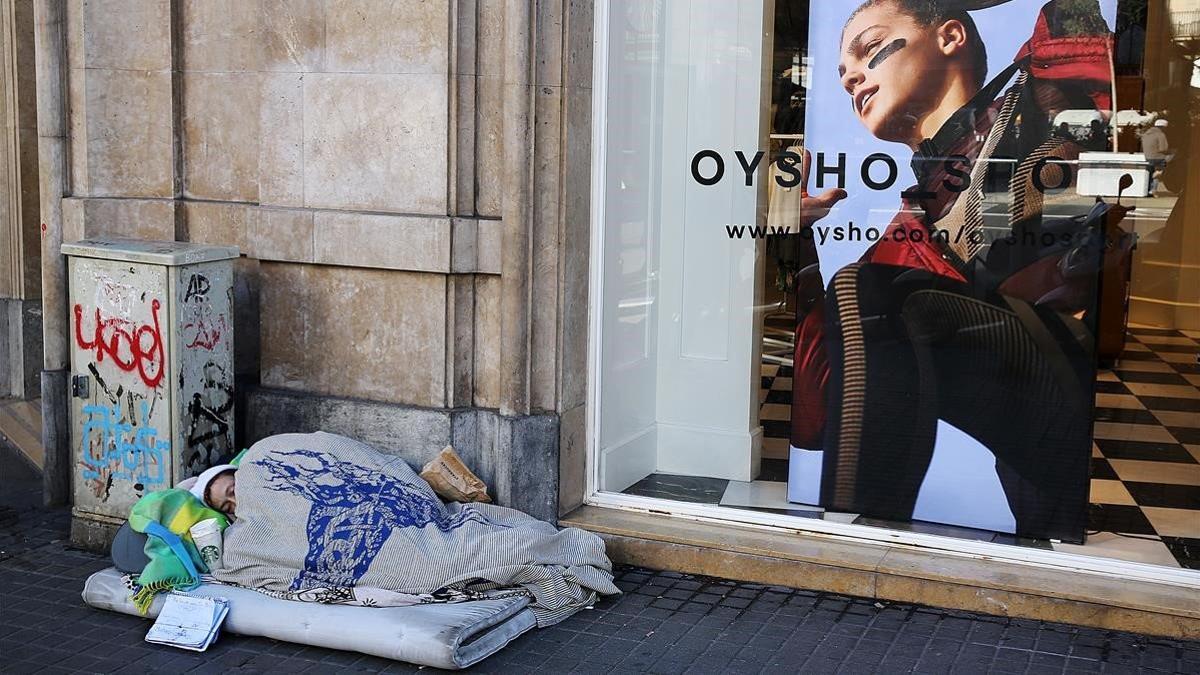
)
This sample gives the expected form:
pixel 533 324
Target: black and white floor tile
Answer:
pixel 1145 499
pixel 1145 492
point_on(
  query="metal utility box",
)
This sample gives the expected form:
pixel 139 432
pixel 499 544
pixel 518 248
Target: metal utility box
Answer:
pixel 151 367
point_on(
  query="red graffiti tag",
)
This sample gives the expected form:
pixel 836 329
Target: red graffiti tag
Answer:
pixel 204 333
pixel 143 343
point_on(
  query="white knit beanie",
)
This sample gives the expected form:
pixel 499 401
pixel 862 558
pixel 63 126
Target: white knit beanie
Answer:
pixel 201 485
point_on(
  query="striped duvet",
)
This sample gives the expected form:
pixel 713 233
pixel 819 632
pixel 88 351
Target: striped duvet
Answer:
pixel 325 518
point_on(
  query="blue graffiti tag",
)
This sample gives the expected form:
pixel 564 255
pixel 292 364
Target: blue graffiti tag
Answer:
pixel 349 521
pixel 139 457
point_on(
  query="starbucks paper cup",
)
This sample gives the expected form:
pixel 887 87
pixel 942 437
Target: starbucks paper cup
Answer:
pixel 207 536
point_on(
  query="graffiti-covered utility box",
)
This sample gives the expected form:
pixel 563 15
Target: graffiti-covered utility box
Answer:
pixel 151 367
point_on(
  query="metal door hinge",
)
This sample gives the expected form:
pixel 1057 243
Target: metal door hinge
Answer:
pixel 81 386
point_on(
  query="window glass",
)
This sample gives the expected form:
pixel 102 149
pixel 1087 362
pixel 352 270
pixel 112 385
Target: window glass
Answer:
pixel 910 265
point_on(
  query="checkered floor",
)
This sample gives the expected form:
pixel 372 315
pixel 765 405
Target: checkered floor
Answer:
pixel 1145 493
pixel 1146 457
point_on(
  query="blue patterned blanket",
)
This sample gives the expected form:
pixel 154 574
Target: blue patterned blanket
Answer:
pixel 325 518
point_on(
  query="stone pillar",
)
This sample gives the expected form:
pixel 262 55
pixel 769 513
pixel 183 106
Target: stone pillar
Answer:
pixel 20 254
pixel 52 179
pixel 518 167
pixel 574 251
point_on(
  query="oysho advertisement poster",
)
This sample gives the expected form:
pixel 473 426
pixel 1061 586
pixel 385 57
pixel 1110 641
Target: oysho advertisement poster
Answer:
pixel 945 317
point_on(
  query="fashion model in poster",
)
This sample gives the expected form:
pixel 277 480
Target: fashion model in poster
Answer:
pixel 962 322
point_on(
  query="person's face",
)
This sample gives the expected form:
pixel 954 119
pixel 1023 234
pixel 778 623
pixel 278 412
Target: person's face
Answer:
pixel 894 70
pixel 221 494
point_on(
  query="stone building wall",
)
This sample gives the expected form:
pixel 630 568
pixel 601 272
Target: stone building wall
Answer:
pixel 20 273
pixel 361 153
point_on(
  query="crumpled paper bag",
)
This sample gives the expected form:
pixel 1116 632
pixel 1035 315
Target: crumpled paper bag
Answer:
pixel 452 480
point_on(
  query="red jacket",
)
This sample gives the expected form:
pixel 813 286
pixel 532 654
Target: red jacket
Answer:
pixel 1082 61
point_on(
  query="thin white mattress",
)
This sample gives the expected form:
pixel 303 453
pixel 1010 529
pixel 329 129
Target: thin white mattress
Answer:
pixel 449 636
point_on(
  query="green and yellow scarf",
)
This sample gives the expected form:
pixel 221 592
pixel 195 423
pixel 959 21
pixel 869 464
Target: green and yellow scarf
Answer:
pixel 165 517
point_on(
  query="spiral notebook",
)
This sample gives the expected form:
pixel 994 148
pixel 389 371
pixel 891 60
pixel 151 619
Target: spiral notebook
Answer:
pixel 188 622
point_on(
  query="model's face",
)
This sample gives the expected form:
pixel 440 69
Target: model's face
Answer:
pixel 221 495
pixel 893 69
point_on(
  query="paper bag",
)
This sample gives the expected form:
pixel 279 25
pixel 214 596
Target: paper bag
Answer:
pixel 452 480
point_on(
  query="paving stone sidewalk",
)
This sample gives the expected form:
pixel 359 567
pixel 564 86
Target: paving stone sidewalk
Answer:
pixel 665 622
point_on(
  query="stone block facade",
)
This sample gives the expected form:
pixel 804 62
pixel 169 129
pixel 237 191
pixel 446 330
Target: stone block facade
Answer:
pixel 408 183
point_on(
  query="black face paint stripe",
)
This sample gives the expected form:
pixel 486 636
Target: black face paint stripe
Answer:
pixel 886 52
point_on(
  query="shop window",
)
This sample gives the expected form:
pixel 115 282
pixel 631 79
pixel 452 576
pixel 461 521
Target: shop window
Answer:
pixel 897 267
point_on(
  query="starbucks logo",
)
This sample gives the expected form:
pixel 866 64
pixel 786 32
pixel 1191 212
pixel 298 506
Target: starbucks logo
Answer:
pixel 210 555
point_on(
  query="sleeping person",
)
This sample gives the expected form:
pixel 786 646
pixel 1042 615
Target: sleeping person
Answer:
pixel 215 487
pixel 215 490
pixel 325 518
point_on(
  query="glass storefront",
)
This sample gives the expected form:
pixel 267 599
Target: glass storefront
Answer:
pixel 927 267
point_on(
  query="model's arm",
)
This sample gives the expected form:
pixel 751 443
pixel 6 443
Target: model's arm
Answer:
pixel 810 371
pixel 810 364
pixel 810 375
